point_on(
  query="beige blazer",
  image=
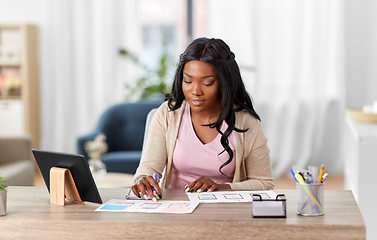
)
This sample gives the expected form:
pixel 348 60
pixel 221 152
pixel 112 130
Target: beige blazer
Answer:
pixel 253 168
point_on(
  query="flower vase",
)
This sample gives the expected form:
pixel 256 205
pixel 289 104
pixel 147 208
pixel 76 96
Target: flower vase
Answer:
pixel 3 202
pixel 98 169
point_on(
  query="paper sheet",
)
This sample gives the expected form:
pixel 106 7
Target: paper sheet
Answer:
pixel 229 196
pixel 147 206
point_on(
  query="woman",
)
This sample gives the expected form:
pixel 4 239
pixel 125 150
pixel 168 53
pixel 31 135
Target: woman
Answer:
pixel 207 135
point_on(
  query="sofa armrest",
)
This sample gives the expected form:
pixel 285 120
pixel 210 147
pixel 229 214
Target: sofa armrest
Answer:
pixel 15 148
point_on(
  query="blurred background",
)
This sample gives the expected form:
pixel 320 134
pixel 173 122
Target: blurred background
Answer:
pixel 306 64
pixel 303 62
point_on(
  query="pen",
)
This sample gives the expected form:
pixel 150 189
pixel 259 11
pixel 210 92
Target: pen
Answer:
pixel 320 174
pixel 310 178
pixel 307 190
pixel 307 181
pixel 155 176
pixel 293 174
pixel 128 193
pixel 302 175
pixel 324 177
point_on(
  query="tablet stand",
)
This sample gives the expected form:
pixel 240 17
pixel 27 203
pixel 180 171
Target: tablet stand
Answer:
pixel 62 186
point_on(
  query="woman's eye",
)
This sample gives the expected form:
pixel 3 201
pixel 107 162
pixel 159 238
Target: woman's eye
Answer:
pixel 186 81
pixel 208 84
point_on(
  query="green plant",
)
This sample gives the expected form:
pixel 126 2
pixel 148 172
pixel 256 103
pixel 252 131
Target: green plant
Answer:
pixel 2 183
pixel 154 81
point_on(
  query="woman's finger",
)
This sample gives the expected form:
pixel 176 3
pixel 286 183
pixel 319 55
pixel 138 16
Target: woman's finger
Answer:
pixel 205 187
pixel 135 190
pixel 151 187
pixel 155 186
pixel 212 188
pixel 191 185
pixel 197 186
pixel 143 187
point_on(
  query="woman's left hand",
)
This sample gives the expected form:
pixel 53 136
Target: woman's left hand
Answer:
pixel 203 184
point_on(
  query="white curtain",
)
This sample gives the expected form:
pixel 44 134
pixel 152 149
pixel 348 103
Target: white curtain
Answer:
pixel 296 48
pixel 81 71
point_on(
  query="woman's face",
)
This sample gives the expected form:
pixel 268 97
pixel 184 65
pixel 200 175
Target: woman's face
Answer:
pixel 200 87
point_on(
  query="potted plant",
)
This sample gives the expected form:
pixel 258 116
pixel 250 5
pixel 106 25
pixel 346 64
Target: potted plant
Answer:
pixel 154 82
pixel 3 197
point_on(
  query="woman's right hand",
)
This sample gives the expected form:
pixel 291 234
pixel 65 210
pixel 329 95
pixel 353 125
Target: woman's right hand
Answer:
pixel 144 186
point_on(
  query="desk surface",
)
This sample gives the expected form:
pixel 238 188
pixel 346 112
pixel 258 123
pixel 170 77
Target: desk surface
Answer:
pixel 30 215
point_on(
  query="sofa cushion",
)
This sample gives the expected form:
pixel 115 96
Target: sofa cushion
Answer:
pixel 122 161
pixel 20 173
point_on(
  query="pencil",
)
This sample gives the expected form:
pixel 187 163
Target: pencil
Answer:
pixel 320 174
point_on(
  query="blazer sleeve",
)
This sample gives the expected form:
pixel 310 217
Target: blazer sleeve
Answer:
pixel 255 169
pixel 154 155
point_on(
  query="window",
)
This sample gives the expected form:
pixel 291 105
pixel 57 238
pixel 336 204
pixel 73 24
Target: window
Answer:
pixel 165 24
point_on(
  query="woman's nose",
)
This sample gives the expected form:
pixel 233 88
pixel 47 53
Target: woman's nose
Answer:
pixel 196 89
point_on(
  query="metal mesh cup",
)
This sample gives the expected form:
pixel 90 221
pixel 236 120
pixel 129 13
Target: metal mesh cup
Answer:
pixel 310 199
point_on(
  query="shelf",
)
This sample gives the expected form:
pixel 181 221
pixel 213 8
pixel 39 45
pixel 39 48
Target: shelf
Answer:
pixel 360 116
pixel 10 97
pixel 15 65
pixel 19 54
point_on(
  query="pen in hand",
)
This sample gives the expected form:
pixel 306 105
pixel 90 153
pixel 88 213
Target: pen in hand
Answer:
pixel 155 176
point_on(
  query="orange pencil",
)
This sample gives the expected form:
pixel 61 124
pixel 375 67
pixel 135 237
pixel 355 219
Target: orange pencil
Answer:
pixel 320 174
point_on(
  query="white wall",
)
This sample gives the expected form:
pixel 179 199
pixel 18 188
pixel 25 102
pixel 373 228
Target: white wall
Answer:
pixel 360 38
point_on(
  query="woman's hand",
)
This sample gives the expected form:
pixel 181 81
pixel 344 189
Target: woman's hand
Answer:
pixel 203 184
pixel 144 186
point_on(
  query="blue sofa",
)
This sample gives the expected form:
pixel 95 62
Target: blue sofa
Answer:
pixel 124 126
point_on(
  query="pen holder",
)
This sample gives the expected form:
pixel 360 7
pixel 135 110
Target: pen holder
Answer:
pixel 310 199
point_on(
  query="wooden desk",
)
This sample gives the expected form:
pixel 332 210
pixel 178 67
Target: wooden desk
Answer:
pixel 31 216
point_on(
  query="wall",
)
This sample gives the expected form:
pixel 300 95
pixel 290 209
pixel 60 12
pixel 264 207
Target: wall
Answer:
pixel 360 52
pixel 360 36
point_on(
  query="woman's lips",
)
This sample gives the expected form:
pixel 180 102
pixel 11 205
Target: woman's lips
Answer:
pixel 197 102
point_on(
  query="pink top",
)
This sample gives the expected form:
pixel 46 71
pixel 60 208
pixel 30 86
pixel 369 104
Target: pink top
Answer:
pixel 192 158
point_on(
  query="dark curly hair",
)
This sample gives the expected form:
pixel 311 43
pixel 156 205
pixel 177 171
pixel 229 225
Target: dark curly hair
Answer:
pixel 232 90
